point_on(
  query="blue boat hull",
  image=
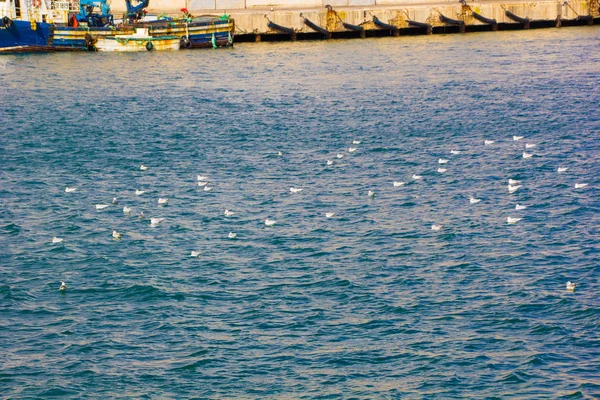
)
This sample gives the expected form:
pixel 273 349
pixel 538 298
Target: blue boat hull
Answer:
pixel 21 36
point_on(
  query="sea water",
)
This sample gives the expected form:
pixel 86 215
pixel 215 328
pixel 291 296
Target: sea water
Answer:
pixel 371 303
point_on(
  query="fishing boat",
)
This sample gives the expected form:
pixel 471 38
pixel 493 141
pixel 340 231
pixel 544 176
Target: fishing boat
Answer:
pixel 139 41
pixel 34 26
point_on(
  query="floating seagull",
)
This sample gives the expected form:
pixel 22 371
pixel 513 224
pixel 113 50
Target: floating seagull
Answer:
pixel 70 189
pixel 232 235
pixel 127 210
pixel 442 161
pixel 442 170
pixel 454 152
pixel 371 193
pixel 329 162
pixel 228 213
pixel 529 145
pixel 513 181
pixel 63 287
pixel 116 235
pixel 580 185
pixel 520 207
pixel 512 189
pixel 115 200
pixel 356 141
pixel 435 227
pixel 329 215
pixel 269 222
pixel 562 169
pixel 352 149
pixel 339 155
pixel 207 188
pixel 202 183
pixel 194 253
pixel 143 167
pixel 571 286
pixel 279 153
pixel 473 200
pixel 162 200
pixel 527 155
pixel 57 240
pixel 101 206
pixel 141 216
pixel 295 190
pixel 517 138
pixel 139 192
pixel 398 184
pixel 513 220
pixel 156 221
pixel 202 178
pixel 488 142
pixel 417 177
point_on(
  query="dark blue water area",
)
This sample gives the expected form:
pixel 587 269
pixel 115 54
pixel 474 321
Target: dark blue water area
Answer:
pixel 371 303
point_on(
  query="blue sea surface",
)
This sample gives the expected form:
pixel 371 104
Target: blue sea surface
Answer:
pixel 371 303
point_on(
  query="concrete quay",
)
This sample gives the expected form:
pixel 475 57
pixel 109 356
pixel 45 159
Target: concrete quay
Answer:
pixel 267 20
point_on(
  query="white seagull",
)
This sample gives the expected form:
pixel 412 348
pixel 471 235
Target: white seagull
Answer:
pixel 116 235
pixel 329 162
pixel 512 189
pixel 562 169
pixel 126 210
pixel 279 153
pixel 517 138
pixel 115 200
pixel 162 200
pixel 202 183
pixel 473 200
pixel 269 222
pixel 207 188
pixel 513 181
pixel 63 287
pixel 101 206
pixel 232 235
pixel 520 207
pixel 228 213
pixel 202 178
pixel 156 221
pixel 329 215
pixel 371 193
pixel 139 192
pixel 571 286
pixel 488 142
pixel 580 185
pixel 295 190
pixel 454 152
pixel 339 155
pixel 70 189
pixel 194 253
pixel 527 155
pixel 417 177
pixel 352 149
pixel 442 170
pixel 57 240
pixel 529 145
pixel 513 220
pixel 356 141
pixel 442 161
pixel 435 227
pixel 398 184
pixel 143 167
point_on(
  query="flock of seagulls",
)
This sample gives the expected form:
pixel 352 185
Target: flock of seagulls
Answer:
pixel 203 182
